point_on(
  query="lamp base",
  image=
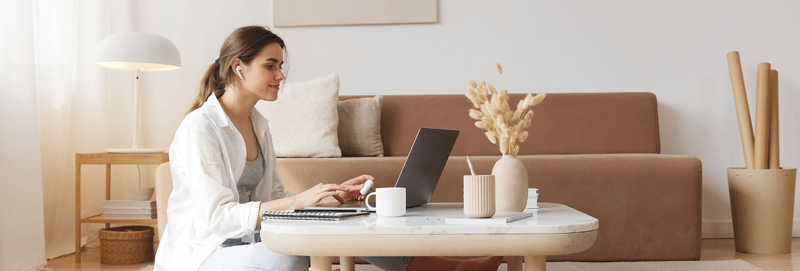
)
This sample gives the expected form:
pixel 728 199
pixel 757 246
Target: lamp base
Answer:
pixel 134 150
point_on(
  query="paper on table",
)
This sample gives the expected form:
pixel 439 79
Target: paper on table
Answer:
pixel 498 219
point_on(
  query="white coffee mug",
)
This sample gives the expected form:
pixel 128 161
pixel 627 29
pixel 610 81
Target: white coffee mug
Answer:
pixel 389 201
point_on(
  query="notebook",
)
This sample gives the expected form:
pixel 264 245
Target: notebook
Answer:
pixel 306 215
pixel 420 173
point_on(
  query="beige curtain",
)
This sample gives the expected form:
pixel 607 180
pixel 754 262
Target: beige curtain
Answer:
pixel 82 109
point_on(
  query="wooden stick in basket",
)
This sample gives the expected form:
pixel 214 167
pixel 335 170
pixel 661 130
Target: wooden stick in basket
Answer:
pixel 742 109
pixel 761 147
pixel 774 153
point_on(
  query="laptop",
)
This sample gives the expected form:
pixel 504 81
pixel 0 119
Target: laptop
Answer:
pixel 420 173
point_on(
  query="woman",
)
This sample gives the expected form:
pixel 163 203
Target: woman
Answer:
pixel 224 172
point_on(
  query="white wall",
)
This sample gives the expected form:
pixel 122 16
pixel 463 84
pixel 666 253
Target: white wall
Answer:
pixel 675 49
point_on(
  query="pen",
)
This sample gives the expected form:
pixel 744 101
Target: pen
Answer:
pixel 339 198
pixel 471 169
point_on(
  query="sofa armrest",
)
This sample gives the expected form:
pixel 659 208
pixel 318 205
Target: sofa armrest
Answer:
pixel 648 205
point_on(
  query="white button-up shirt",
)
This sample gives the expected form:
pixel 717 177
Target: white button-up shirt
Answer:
pixel 207 157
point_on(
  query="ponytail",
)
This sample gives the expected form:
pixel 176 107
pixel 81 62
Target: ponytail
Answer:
pixel 211 84
pixel 244 43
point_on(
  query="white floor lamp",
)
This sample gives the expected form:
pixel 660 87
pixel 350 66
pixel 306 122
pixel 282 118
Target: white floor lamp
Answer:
pixel 137 51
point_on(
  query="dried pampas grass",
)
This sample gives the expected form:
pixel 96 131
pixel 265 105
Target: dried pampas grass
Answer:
pixel 493 114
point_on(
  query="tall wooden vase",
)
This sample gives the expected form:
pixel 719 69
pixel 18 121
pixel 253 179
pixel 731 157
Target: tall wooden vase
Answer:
pixel 511 184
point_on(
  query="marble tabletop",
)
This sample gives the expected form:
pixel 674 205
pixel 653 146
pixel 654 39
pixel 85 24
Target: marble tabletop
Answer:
pixel 430 219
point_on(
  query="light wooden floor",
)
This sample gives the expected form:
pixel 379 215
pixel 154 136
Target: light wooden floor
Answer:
pixel 712 250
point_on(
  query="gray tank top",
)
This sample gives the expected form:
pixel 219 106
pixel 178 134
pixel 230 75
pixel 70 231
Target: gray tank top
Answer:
pixel 251 176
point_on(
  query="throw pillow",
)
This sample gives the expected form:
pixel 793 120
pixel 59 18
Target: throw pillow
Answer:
pixel 303 120
pixel 360 127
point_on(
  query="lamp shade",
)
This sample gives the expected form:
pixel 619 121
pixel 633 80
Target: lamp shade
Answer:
pixel 137 51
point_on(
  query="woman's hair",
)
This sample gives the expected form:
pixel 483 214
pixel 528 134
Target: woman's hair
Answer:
pixel 244 43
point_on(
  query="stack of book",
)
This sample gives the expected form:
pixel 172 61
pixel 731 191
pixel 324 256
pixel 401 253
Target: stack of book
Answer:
pixel 129 209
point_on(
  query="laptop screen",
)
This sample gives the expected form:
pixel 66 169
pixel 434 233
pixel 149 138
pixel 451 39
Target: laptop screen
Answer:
pixel 425 163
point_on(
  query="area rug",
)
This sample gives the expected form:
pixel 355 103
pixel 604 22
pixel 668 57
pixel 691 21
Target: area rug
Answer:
pixel 731 265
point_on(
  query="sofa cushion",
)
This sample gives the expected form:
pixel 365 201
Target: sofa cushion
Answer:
pixel 360 127
pixel 303 120
pixel 564 123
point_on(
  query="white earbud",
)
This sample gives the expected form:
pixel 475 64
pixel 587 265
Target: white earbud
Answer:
pixel 367 187
pixel 239 72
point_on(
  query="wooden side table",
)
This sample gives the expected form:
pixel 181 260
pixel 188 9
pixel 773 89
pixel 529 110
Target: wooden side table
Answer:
pixel 108 159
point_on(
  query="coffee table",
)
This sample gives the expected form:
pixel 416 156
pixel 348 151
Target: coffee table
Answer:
pixel 554 229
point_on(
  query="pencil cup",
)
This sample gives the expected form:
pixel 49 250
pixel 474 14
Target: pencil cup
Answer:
pixel 762 206
pixel 479 195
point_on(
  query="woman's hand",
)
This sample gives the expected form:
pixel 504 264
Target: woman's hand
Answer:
pixel 320 191
pixel 354 186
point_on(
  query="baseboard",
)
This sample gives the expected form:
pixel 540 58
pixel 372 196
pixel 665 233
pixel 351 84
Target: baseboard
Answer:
pixel 724 229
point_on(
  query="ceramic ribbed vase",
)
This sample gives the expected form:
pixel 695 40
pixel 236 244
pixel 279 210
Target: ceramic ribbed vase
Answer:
pixel 511 184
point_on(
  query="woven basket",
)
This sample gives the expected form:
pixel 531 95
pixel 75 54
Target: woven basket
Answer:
pixel 126 245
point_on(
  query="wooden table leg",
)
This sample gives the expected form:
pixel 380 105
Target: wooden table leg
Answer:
pixel 321 263
pixel 535 263
pixel 347 263
pixel 77 209
pixel 514 263
pixel 108 187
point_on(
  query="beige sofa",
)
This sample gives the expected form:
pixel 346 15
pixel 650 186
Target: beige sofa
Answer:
pixel 596 152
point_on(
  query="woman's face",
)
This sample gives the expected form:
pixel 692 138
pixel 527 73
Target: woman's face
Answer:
pixel 263 76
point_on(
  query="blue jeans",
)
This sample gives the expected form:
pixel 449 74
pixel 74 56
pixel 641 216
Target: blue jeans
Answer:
pixel 236 255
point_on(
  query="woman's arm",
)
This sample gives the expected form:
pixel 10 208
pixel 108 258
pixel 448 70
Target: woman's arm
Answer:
pixel 307 198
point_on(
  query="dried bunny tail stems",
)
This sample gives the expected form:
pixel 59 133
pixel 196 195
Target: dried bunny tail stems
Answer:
pixel 538 98
pixel 471 83
pixel 520 106
pixel 499 69
pixel 475 114
pixel 491 87
pixel 507 116
pixel 475 102
pixel 472 96
pixel 480 124
pixel 516 150
pixel 519 126
pixel 516 115
pixel 529 115
pixel 527 100
pixel 495 110
pixel 492 137
pixel 523 136
pixel 527 123
pixel 504 100
pixel 483 95
pixel 503 126
pixel 487 118
pixel 503 144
